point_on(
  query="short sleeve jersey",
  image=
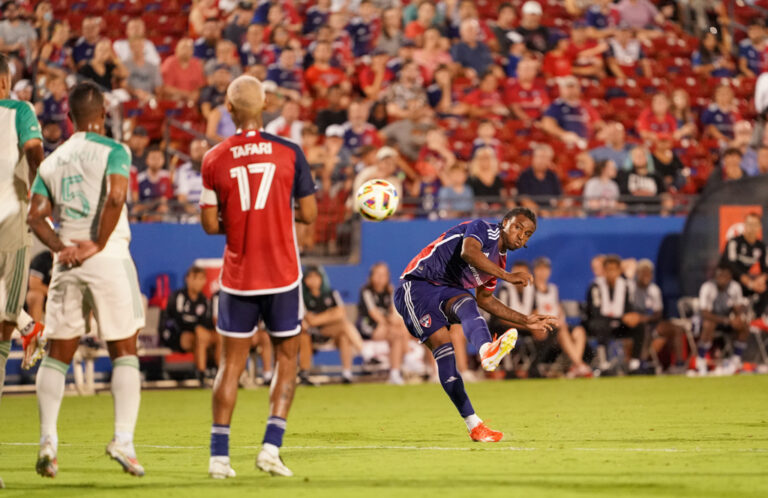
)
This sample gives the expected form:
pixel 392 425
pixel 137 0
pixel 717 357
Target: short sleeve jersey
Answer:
pixel 441 262
pixel 74 177
pixel 253 179
pixel 719 302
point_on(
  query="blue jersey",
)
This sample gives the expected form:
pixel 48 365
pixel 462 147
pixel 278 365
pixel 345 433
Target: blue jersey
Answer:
pixel 82 51
pixel 314 19
pixel 285 78
pixel 720 119
pixel 362 36
pixel 202 50
pixel 570 118
pixel 440 262
pixel 754 58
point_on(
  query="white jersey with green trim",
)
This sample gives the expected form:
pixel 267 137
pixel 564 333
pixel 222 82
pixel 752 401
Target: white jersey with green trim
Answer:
pixel 74 177
pixel 18 125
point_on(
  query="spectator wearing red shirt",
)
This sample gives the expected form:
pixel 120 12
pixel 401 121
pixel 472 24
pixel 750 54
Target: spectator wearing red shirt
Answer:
pixel 340 40
pixel 183 74
pixel 433 54
pixel 321 75
pixel 376 77
pixel 435 157
pixel 656 120
pixel 557 62
pixel 486 101
pixel 525 97
pixel 425 19
pixel 586 54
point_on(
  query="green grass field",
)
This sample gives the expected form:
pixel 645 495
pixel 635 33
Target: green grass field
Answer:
pixel 591 438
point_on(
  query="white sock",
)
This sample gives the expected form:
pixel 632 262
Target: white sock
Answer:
pixel 50 390
pixel 472 421
pixel 347 374
pixel 126 394
pixel 271 449
pixel 395 374
pixel 5 350
pixel 24 323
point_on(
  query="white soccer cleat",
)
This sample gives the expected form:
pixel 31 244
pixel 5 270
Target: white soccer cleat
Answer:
pixel 702 369
pixel 219 468
pixel 492 353
pixel 125 455
pixel 273 464
pixel 47 465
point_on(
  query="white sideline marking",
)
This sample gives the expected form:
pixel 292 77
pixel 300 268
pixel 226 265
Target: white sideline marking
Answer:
pixel 440 448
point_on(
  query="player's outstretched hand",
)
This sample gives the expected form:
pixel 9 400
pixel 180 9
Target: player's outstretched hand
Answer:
pixel 519 278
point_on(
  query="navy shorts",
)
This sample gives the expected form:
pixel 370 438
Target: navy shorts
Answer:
pixel 421 303
pixel 239 316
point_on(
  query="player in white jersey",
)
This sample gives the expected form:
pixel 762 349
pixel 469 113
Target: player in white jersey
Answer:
pixel 86 179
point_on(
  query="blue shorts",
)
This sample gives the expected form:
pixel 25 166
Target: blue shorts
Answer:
pixel 421 303
pixel 239 316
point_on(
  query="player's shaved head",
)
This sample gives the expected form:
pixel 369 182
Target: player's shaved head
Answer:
pixel 86 103
pixel 245 99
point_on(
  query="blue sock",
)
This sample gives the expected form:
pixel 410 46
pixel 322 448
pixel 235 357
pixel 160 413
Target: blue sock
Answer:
pixel 704 349
pixel 475 328
pixel 451 380
pixel 739 347
pixel 219 440
pixel 275 431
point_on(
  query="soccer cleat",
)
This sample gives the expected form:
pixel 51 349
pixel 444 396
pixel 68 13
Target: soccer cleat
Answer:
pixel 492 353
pixel 483 434
pixel 33 350
pixel 219 468
pixel 47 465
pixel 126 457
pixel 272 464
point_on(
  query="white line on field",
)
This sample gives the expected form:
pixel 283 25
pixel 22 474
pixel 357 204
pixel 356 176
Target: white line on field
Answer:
pixel 440 448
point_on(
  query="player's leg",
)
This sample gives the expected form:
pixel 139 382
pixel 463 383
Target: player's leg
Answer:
pixel 265 351
pixel 706 337
pixel 338 333
pixel 305 357
pixel 13 284
pixel 204 339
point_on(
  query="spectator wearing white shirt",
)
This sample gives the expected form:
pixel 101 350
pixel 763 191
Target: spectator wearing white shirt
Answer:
pixel 136 30
pixel 288 125
pixel 188 182
pixel 601 192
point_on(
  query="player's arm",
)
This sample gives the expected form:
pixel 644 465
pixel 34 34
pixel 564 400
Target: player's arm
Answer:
pixel 33 151
pixel 335 314
pixel 535 323
pixel 40 208
pixel 209 219
pixel 472 253
pixel 307 212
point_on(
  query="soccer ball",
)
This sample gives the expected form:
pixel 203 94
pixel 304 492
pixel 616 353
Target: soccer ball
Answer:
pixel 376 200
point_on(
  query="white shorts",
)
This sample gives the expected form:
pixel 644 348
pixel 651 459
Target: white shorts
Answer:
pixel 14 267
pixel 108 286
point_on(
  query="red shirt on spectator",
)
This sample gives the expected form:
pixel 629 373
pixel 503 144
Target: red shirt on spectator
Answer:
pixel 648 121
pixel 188 79
pixel 366 77
pixel 325 77
pixel 574 52
pixel 557 64
pixel 486 100
pixel 533 100
pixel 414 29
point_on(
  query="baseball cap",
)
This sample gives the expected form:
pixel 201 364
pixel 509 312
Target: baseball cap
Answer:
pixel 334 131
pixel 386 152
pixel 533 8
pixel 22 85
pixel 515 37
pixel 269 86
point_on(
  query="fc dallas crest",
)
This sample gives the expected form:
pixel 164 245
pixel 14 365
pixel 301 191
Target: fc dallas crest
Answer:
pixel 426 321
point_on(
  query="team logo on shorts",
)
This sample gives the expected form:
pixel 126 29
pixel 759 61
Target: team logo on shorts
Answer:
pixel 426 321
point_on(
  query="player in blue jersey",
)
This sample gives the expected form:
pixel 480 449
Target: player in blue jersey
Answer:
pixel 434 292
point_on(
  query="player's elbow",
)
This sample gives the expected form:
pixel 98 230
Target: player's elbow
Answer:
pixel 307 209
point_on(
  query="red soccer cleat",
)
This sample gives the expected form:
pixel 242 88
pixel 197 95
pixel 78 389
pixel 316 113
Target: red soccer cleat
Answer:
pixel 482 434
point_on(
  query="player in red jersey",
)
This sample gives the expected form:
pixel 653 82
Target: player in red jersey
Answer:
pixel 250 183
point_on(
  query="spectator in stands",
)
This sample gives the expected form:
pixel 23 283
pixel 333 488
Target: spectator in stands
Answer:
pixel 188 324
pixel 666 163
pixel 52 136
pixel 602 17
pixel 335 113
pixel 486 184
pixel 55 56
pixel 188 180
pixel 728 170
pixel 254 50
pixel 585 52
pixel 377 319
pixel 683 114
pixel 744 252
pixel 535 35
pixel 601 192
pixel 43 17
pixel 721 308
pixel 377 76
pixel 526 97
pixel 320 76
pixel 486 101
pixel 713 57
pixel 213 95
pixel 540 180
pixel 220 124
pixel 610 314
pixel 568 118
pixel 226 54
pixel 762 160
pixel 287 75
pixel 289 124
pixel 85 46
pixel 626 58
pixel 391 37
pixel 238 23
pixel 316 16
pixel 752 49
pixel 578 176
pixel 432 54
pixel 409 86
pixel 517 51
pixel 639 14
pixel 718 119
pixel 154 187
pixel 656 120
pixel 470 52
pixel 357 130
pixel 202 11
pixel 385 169
pixel 442 95
pixel 182 73
pixel 616 148
pixel 408 134
pixel 378 116
pixel 640 180
pixel 742 138
pixel 325 316
pixel 104 66
pixel 504 26
pixel 136 30
pixel 56 105
pixel 557 61
pixel 425 19
pixel 17 37
pixel 144 81
pixel 486 137
pixel 338 159
pixel 210 34
pixel 455 198
pixel 22 90
pixel 138 142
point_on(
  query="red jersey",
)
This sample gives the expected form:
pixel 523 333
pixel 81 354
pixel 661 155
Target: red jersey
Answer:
pixel 647 121
pixel 324 77
pixel 556 65
pixel 533 101
pixel 253 178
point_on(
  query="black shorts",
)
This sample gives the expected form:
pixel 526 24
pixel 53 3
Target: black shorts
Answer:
pixel 171 338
